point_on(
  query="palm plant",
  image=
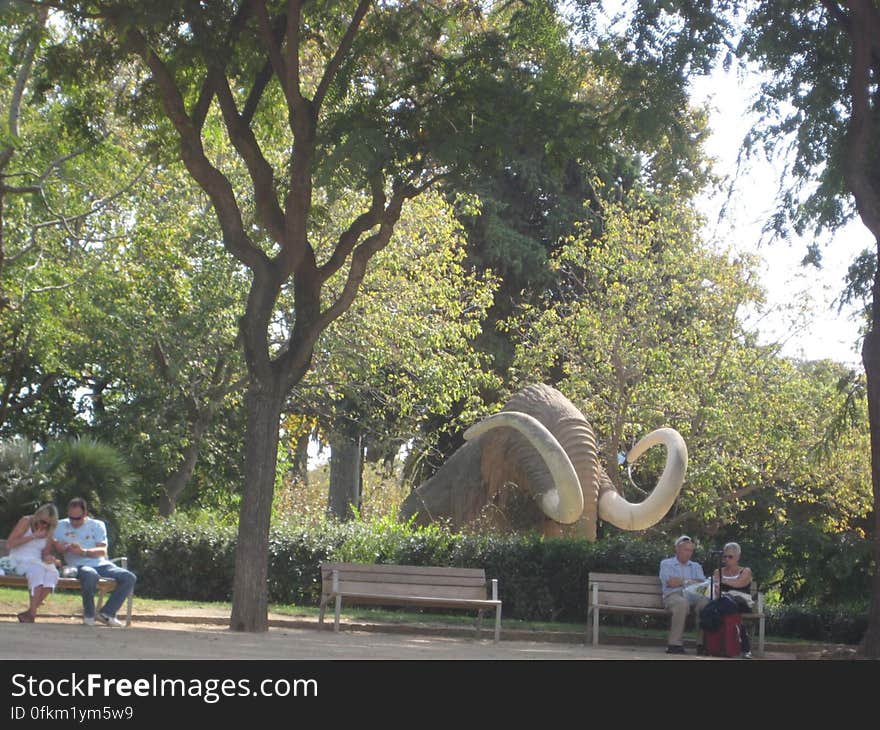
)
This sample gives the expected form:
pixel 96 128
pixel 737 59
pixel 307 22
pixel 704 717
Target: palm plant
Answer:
pixel 22 483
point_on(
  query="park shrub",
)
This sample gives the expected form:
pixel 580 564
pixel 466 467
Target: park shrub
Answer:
pixel 841 624
pixel 539 578
pixel 545 579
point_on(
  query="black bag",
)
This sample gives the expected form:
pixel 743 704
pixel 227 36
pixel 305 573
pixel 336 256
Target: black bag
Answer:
pixel 711 615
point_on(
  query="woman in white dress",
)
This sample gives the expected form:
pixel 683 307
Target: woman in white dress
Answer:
pixel 30 548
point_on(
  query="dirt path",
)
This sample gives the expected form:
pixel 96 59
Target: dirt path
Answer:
pixel 67 638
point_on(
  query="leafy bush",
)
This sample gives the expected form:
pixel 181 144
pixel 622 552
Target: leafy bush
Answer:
pixel 539 579
pixel 834 624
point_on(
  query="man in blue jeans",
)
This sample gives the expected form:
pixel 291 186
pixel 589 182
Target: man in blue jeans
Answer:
pixel 83 541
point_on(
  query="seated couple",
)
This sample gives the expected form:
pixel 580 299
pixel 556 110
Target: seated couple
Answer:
pixel 679 573
pixel 82 541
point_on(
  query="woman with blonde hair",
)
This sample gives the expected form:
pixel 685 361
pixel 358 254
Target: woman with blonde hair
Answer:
pixel 30 548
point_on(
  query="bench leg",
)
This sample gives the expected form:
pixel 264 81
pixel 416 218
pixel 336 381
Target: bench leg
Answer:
pixel 479 623
pixel 595 626
pixel 497 624
pixel 761 636
pixel 321 608
pixel 338 610
pixel 128 615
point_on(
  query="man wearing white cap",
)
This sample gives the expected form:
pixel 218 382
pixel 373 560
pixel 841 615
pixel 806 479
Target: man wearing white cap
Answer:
pixel 675 575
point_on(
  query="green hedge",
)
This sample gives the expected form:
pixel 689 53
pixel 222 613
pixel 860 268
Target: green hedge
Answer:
pixel 834 624
pixel 539 579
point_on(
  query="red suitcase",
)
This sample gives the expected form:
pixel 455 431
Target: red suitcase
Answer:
pixel 727 640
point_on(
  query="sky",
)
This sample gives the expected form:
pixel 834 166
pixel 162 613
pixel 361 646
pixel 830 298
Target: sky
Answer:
pixel 825 333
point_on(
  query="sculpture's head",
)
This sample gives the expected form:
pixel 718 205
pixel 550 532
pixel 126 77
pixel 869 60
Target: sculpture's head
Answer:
pixel 542 443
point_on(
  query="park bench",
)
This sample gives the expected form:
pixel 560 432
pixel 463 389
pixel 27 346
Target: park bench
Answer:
pixel 105 585
pixel 642 594
pixel 408 585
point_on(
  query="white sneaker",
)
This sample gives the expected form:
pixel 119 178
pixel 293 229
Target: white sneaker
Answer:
pixel 110 620
pixel 89 620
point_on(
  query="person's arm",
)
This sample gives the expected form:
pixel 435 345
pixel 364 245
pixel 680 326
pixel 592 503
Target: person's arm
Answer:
pixel 48 554
pixel 667 579
pixel 17 536
pixel 741 581
pixel 98 551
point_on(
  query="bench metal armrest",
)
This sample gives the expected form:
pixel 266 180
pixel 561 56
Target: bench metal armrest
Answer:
pixel 494 589
pixel 122 562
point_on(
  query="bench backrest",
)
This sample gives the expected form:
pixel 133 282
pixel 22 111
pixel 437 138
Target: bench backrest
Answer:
pixel 643 591
pixel 405 580
pixel 619 589
pixel 3 549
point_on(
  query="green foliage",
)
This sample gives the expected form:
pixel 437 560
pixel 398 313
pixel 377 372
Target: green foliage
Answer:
pixel 66 468
pixel 85 467
pixel 179 558
pixel 539 579
pixel 835 623
pixel 645 331
pixel 21 481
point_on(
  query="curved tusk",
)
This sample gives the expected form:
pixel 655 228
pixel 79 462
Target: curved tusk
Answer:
pixel 565 502
pixel 615 509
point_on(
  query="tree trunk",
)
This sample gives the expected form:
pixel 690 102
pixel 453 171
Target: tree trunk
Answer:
pixel 180 478
pixel 301 460
pixel 346 461
pixel 250 596
pixel 861 178
pixel 871 361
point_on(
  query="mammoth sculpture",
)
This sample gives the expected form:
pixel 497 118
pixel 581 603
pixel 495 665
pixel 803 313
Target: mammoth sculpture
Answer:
pixel 541 443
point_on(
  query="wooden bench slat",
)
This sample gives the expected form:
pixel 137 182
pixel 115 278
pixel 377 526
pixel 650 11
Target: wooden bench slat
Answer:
pixel 637 588
pixel 428 570
pixel 401 589
pixel 652 580
pixel 407 585
pixel 424 600
pixel 476 582
pixel 634 609
pixel 637 600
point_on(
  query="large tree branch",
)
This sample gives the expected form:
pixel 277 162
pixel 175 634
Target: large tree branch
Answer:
pixel 860 132
pixel 341 52
pixel 363 223
pixel 295 360
pixel 273 41
pixel 21 78
pixel 218 60
pixel 361 257
pixel 274 36
pixel 261 172
pixel 291 66
pixel 212 181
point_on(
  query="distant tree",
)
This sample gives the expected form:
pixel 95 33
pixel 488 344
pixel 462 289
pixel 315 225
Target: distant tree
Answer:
pixel 820 99
pixel 819 104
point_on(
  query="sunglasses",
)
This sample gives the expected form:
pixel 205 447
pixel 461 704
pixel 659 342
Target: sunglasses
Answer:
pixel 77 519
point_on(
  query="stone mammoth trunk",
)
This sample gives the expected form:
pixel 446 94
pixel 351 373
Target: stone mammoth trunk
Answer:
pixel 542 448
